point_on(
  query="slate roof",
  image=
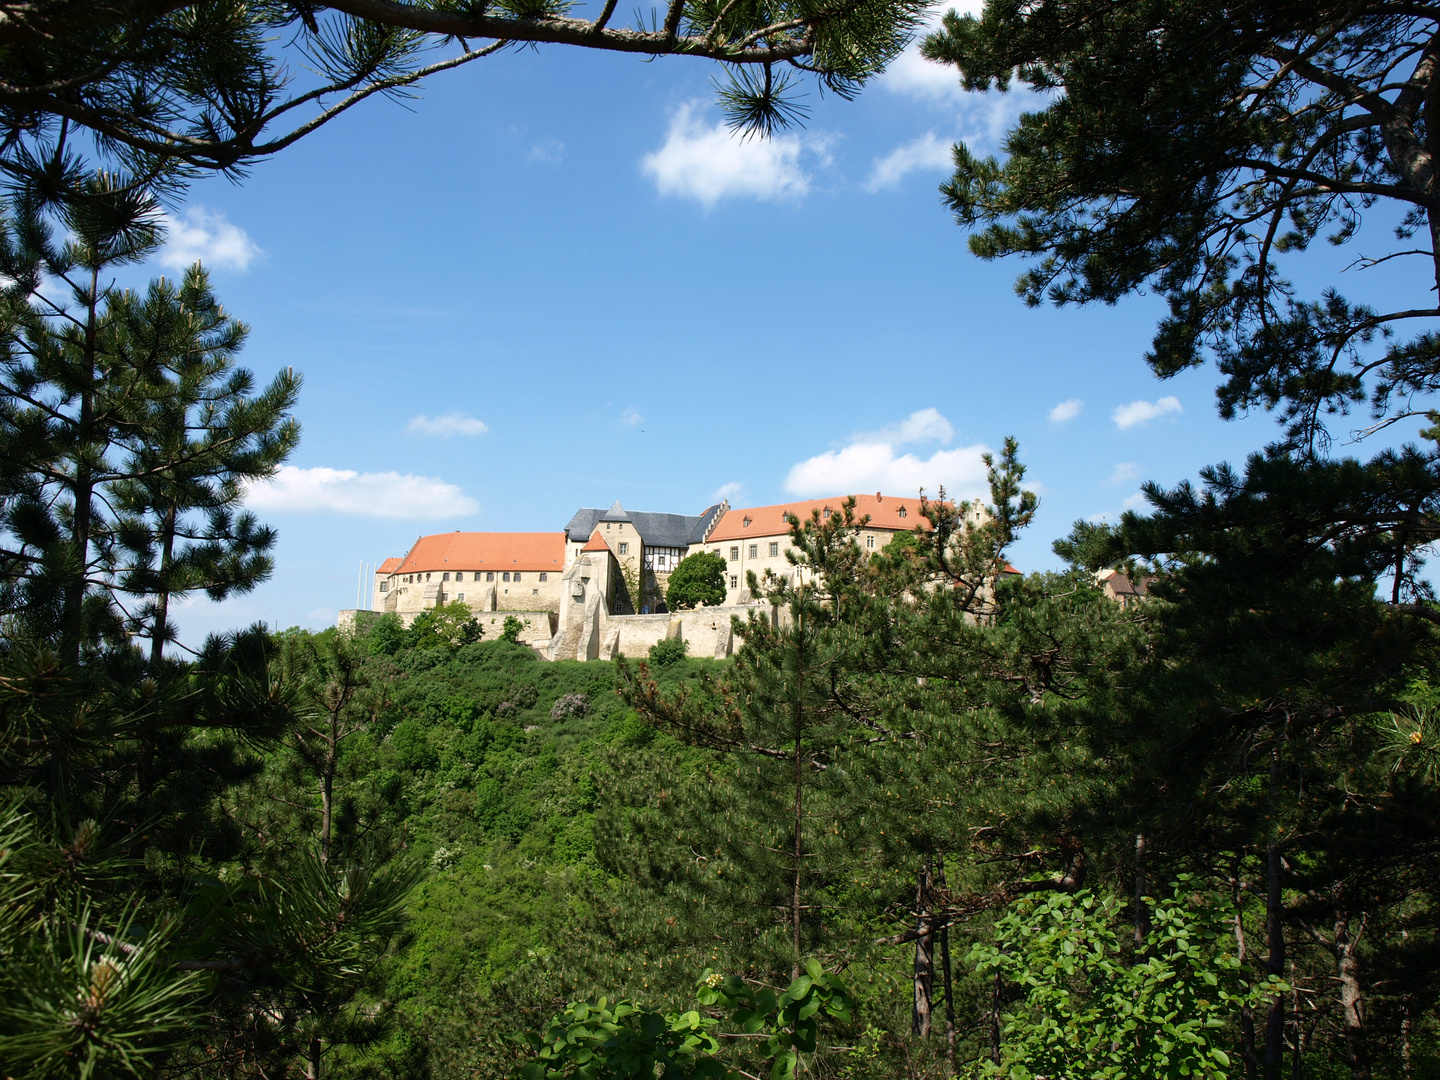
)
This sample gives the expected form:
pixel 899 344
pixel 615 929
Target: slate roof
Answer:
pixel 656 530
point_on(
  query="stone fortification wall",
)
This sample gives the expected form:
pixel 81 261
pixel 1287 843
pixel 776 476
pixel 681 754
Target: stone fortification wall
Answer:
pixel 539 625
pixel 638 632
pixel 706 631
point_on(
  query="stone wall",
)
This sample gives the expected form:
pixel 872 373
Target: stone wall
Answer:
pixel 706 631
pixel 539 625
pixel 598 636
pixel 639 632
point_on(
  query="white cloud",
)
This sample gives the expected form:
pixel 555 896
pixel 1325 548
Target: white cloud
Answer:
pixel 205 236
pixel 1142 412
pixel 345 491
pixel 1135 502
pixel 547 151
pixel 731 490
pixel 452 423
pixel 631 417
pixel 710 163
pixel 876 467
pixel 929 151
pixel 923 425
pixel 1066 410
pixel 872 462
pixel 979 119
pixel 913 75
pixel 1126 470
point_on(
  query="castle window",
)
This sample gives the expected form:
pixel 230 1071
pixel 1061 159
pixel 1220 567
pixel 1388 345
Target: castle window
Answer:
pixel 445 576
pixel 460 596
pixel 774 550
pixel 624 549
pixel 384 586
pixel 734 581
pixel 870 541
pixel 427 577
pixel 543 577
pixel 754 550
pixel 734 554
pixel 477 575
pixel 517 575
pixel 534 592
pixel 901 511
pixel 489 575
pixel 505 577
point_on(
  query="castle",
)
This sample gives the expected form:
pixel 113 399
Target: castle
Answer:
pixel 597 588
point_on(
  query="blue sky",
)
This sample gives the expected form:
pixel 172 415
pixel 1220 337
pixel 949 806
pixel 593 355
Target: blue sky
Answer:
pixel 555 281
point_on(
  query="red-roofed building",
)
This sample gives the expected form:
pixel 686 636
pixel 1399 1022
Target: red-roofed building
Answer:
pixel 755 538
pixel 488 571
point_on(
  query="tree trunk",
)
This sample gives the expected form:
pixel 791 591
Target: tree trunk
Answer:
pixel 924 953
pixel 1275 934
pixel 797 715
pixel 945 978
pixel 1405 1032
pixel 1352 1002
pixel 312 1058
pixel 1142 912
pixel 1247 1013
pixel 162 596
pixel 327 786
pixel 72 614
pixel 997 996
pixel 1297 1045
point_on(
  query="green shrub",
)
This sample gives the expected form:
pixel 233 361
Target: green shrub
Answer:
pixel 667 652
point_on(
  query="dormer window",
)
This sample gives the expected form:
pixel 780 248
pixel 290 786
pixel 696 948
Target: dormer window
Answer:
pixel 746 523
pixel 902 511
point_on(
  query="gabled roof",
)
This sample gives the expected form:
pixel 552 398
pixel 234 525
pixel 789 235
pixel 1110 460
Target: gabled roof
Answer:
pixel 485 551
pixel 884 511
pixel 597 543
pixel 615 513
pixel 389 566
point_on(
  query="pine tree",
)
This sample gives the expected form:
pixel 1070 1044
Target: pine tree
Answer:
pixel 208 434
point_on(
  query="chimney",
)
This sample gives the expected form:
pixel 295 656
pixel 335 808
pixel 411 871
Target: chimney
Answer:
pixel 879 497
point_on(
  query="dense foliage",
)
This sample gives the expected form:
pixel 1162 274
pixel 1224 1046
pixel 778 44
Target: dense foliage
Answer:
pixel 698 581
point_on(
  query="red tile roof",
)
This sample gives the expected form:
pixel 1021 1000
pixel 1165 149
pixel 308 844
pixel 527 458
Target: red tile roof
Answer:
pixel 389 566
pixel 883 511
pixel 486 551
pixel 596 543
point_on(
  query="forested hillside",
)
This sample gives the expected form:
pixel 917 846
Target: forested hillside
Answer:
pixel 1018 832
